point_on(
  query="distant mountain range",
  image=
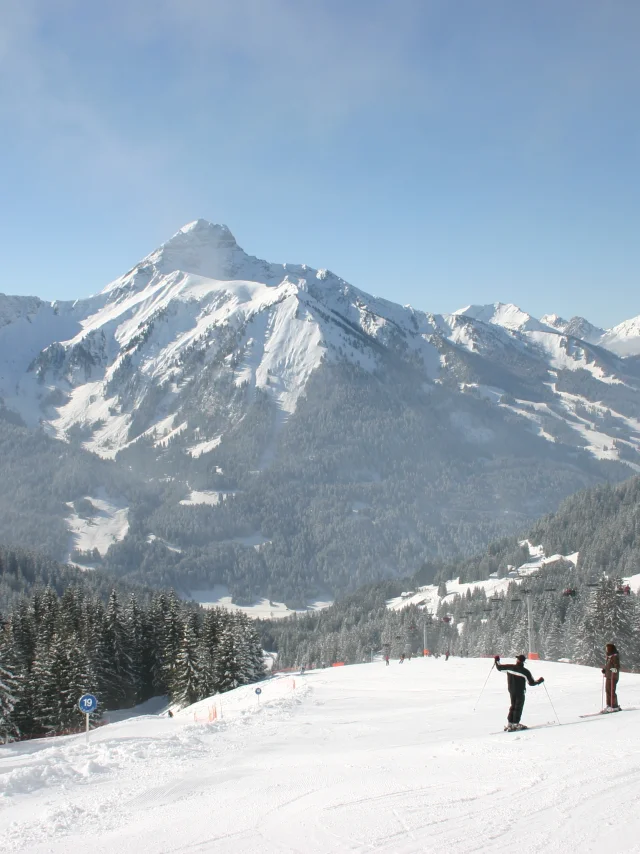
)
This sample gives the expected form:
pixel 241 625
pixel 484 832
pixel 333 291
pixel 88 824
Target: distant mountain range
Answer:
pixel 213 418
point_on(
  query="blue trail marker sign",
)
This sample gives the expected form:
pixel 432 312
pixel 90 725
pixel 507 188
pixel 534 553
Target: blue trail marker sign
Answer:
pixel 87 704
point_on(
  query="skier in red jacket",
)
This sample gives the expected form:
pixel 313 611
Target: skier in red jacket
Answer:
pixel 611 672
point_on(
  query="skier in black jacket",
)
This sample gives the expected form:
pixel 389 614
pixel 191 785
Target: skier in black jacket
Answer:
pixel 517 678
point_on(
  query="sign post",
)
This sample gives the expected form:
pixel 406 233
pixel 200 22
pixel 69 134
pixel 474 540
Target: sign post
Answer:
pixel 258 692
pixel 87 704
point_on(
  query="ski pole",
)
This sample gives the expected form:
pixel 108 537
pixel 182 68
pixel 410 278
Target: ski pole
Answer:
pixel 484 686
pixel 552 706
pixel 604 679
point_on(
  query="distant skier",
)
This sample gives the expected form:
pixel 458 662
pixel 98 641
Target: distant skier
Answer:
pixel 611 672
pixel 517 678
pixel 401 658
pixel 446 655
pixel 386 659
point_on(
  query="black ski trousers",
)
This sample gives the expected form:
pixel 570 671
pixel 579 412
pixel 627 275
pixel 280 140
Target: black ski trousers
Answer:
pixel 517 705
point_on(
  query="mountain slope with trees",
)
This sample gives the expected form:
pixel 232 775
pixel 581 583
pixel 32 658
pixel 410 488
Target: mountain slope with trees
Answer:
pixel 212 418
pixel 577 607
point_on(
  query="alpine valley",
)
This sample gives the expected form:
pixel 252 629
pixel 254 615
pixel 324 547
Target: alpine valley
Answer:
pixel 211 420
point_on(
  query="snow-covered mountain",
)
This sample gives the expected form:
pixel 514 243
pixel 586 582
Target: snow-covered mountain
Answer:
pixel 206 371
pixel 623 339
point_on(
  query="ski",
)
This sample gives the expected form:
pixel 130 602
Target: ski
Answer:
pixel 603 713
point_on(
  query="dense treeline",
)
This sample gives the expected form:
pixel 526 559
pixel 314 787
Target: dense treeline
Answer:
pixel 22 570
pixel 573 625
pixel 55 648
pixel 601 524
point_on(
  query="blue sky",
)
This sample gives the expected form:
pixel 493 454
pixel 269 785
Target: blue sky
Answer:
pixel 433 152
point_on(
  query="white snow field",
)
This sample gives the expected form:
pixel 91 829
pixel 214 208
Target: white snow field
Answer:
pixel 219 596
pixel 349 759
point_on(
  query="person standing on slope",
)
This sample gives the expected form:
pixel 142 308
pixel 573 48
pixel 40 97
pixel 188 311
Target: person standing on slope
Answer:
pixel 517 678
pixel 611 672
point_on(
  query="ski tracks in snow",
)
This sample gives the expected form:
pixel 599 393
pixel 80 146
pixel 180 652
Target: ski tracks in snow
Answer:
pixel 373 759
pixel 99 787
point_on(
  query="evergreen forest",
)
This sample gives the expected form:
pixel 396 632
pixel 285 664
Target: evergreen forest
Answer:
pixel 54 649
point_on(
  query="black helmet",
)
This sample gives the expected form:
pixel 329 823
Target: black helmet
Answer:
pixel 521 658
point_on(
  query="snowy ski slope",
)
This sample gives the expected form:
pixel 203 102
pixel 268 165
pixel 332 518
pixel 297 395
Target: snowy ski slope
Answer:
pixel 352 759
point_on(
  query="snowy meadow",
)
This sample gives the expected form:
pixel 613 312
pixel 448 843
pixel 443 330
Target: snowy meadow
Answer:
pixel 360 758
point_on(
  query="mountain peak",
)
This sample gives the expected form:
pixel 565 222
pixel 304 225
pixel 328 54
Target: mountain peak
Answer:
pixel 198 247
pixel 201 247
pixel 555 321
pixel 507 315
pixel 203 228
pixel 579 327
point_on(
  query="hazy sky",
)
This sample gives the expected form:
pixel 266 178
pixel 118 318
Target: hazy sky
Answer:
pixel 435 152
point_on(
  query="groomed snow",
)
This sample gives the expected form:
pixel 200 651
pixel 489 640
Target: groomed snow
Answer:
pixel 350 759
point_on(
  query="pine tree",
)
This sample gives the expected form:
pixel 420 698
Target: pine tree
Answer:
pixel 209 639
pixel 118 650
pixel 229 667
pixel 135 631
pixel 552 637
pixel 608 618
pixel 9 688
pixel 185 688
pixel 168 638
pixel 520 635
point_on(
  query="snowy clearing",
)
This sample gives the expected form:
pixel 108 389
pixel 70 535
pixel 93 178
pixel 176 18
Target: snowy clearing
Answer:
pixel 218 596
pixel 205 496
pixel 204 447
pixel 428 597
pixel 363 758
pixel 108 524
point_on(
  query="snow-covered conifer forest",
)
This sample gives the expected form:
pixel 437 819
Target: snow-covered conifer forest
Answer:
pixel 53 649
pixel 582 595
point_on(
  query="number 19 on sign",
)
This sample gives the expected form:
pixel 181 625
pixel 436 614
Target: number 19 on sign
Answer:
pixel 87 704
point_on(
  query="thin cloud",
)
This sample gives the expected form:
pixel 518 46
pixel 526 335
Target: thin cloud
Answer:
pixel 314 63
pixel 44 104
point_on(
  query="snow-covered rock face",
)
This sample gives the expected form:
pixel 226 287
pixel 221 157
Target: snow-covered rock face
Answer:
pixel 508 316
pixel 623 339
pixel 145 359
